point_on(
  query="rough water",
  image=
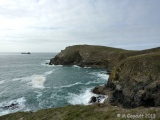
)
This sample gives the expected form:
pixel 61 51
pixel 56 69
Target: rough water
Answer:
pixel 27 83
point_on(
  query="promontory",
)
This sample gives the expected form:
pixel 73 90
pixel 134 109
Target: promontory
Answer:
pixel 133 87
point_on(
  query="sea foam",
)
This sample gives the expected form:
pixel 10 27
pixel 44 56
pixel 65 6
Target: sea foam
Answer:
pixel 101 75
pixel 83 98
pixel 2 81
pixel 36 81
pixel 70 85
pixel 19 107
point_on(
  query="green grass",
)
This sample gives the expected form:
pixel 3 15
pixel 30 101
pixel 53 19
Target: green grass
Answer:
pixel 78 112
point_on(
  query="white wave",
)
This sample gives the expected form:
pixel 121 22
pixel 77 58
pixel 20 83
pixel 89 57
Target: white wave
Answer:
pixel 36 81
pixel 103 76
pixel 20 106
pixel 91 82
pixel 2 81
pixel 46 63
pixel 38 94
pixel 59 65
pixel 17 79
pixel 83 98
pixel 76 66
pixel 70 85
pixel 48 73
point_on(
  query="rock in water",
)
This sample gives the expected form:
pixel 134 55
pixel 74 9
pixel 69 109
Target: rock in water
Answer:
pixel 11 106
pixel 97 99
pixel 93 99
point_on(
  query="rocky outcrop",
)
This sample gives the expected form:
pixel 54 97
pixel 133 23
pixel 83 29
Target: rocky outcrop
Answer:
pixel 89 56
pixel 96 99
pixel 94 56
pixel 134 77
pixel 135 82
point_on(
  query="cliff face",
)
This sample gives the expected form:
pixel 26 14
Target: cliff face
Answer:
pixel 89 56
pixel 95 56
pixel 135 81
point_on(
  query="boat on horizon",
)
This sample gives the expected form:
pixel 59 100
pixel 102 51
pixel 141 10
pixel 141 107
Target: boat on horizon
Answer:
pixel 25 53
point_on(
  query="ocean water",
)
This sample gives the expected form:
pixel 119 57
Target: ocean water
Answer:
pixel 30 84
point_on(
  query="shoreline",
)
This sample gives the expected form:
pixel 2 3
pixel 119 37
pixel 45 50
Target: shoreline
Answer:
pixel 126 80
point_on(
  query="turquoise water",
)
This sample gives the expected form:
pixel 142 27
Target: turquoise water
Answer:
pixel 28 82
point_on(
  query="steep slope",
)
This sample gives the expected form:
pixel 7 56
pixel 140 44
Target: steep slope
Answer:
pixel 95 56
pixel 135 82
pixel 87 55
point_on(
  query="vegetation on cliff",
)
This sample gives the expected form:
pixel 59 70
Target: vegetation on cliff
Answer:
pixel 95 56
pixel 90 112
pixel 134 83
pixel 90 56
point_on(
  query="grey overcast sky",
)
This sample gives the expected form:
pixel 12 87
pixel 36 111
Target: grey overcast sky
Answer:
pixel 51 25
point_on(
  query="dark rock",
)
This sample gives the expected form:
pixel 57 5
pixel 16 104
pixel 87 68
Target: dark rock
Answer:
pixel 50 63
pixel 100 90
pixel 109 72
pixel 93 99
pixel 11 106
pixel 135 82
pixel 97 99
pixel 47 63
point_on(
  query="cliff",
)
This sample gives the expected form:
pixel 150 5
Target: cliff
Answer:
pixel 134 82
pixel 95 56
pixel 89 56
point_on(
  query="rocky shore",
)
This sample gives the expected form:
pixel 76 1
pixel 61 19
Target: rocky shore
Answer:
pixel 134 82
pixel 135 76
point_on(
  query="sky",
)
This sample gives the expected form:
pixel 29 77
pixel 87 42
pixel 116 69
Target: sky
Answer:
pixel 52 25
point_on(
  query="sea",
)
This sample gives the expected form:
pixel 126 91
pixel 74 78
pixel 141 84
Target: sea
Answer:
pixel 27 83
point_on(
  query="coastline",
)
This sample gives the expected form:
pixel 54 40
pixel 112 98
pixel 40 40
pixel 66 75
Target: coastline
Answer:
pixel 113 89
pixel 133 74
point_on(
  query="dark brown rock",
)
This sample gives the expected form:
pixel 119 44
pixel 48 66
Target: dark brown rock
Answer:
pixel 135 82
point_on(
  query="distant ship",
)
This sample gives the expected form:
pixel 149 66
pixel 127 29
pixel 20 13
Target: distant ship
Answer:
pixel 25 53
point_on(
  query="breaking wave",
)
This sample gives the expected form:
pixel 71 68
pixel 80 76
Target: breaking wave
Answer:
pixel 36 81
pixel 83 98
pixel 11 106
pixel 70 85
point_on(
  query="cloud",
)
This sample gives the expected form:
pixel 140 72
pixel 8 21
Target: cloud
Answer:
pixel 67 22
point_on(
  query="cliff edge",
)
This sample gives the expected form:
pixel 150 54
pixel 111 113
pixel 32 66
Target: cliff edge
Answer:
pixel 134 82
pixel 89 56
pixel 95 56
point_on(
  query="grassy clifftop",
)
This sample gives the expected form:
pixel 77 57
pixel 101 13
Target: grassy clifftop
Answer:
pixel 95 56
pixel 135 81
pixel 87 55
pixel 90 112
